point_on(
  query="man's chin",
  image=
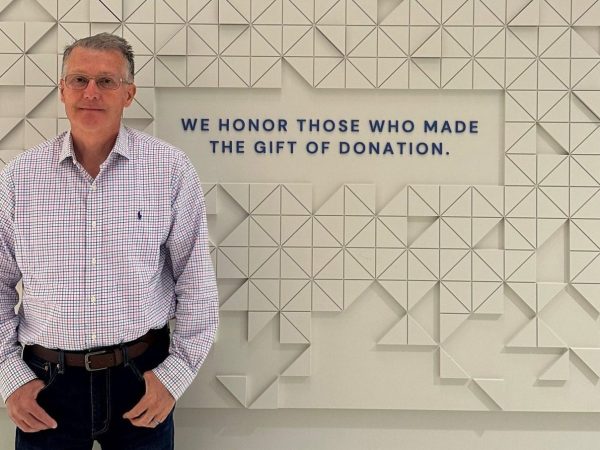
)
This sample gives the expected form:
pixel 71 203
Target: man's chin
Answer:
pixel 90 118
pixel 89 124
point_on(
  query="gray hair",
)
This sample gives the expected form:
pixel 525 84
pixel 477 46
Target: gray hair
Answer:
pixel 104 41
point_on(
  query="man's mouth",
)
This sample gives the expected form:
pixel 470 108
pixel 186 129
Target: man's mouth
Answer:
pixel 90 108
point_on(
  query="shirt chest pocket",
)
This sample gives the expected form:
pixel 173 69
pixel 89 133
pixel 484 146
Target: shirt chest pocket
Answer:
pixel 148 228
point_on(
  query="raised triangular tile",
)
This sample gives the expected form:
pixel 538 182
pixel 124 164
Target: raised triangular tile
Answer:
pixel 417 335
pixel 455 232
pixel 257 321
pixel 457 12
pixel 328 231
pixel 528 15
pixel 296 262
pixel 234 12
pixel 397 335
pixel 590 292
pixel 359 263
pixel 300 367
pixel 294 327
pixel 423 200
pixel 267 12
pixel 238 301
pixel 361 12
pixel 328 295
pixel 449 323
pixel 494 388
pixel 488 265
pixel 236 385
pixel 264 231
pixel 547 338
pixel 455 297
pixel 391 232
pixel 298 12
pixel 232 262
pixel 423 264
pixel 391 264
pixel 106 11
pixel 239 236
pixel 526 337
pixel 455 265
pixel 450 369
pixel 264 262
pixel 328 263
pixel 558 370
pixel 204 11
pixel 590 356
pixel 353 289
pixel 330 12
pixel 263 295
pixel 455 201
pixel 269 399
pixel 527 293
pixel 397 289
pixel 265 198
pixel 296 231
pixel 296 295
pixel 397 206
pixel 488 297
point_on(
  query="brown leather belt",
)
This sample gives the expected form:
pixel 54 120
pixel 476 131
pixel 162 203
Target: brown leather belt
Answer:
pixel 98 359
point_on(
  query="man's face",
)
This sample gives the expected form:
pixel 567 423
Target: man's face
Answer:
pixel 94 109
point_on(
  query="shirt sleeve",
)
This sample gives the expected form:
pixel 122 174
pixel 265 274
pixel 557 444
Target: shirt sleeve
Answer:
pixel 13 370
pixel 197 302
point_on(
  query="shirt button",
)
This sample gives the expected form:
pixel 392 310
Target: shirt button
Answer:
pixel 93 186
pixel 93 299
pixel 93 224
pixel 93 261
pixel 93 337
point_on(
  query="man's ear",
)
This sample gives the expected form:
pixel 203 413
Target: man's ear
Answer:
pixel 131 90
pixel 61 88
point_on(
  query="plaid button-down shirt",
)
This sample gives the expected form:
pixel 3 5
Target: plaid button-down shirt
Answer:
pixel 104 260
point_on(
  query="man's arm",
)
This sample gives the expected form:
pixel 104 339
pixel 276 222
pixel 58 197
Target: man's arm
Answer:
pixel 13 370
pixel 197 309
pixel 18 384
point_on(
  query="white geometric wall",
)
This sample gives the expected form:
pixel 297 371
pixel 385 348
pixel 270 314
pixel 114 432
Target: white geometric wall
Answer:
pixel 475 249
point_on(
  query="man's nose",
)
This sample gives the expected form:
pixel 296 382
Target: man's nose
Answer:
pixel 91 90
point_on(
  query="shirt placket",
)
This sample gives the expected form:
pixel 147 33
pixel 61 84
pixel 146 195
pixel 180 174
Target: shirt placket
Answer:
pixel 91 258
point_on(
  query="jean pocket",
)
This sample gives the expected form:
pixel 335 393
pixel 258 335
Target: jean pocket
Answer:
pixel 43 370
pixel 136 371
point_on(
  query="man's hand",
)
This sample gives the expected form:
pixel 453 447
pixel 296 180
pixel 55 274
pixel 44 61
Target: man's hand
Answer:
pixel 24 410
pixel 154 406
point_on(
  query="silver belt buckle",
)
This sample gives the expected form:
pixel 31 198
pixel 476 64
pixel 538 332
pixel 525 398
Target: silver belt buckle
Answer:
pixel 86 359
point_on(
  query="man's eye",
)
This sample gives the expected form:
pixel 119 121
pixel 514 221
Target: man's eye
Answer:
pixel 80 80
pixel 106 82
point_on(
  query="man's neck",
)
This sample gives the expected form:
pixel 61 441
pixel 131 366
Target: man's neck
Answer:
pixel 92 149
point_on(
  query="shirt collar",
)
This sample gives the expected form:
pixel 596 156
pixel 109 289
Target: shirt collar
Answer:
pixel 120 146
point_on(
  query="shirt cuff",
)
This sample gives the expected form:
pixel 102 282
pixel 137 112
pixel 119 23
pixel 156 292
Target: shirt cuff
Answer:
pixel 175 375
pixel 14 373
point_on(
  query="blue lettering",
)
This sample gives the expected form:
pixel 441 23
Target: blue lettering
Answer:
pixel 189 124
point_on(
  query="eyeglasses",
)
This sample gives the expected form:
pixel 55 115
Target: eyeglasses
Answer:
pixel 79 82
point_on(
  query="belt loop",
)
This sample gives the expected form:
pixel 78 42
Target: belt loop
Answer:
pixel 125 355
pixel 61 362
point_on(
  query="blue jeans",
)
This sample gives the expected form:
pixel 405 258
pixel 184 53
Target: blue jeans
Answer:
pixel 88 406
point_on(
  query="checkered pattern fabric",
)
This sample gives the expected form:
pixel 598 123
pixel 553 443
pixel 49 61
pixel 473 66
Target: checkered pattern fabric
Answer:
pixel 104 260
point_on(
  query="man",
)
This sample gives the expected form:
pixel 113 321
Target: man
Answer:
pixel 106 226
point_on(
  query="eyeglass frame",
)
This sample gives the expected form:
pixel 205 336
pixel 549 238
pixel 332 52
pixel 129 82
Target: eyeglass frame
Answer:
pixel 121 81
